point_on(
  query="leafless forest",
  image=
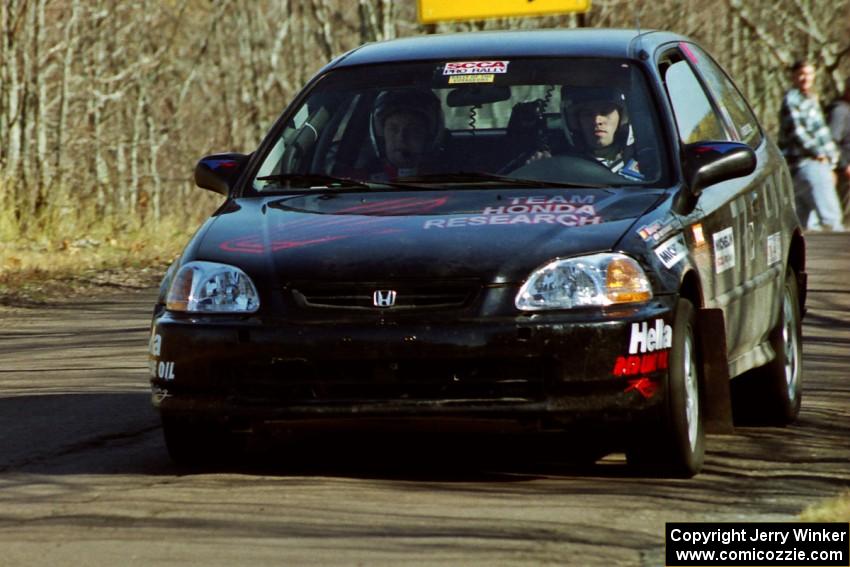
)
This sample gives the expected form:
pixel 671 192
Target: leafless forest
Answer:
pixel 105 105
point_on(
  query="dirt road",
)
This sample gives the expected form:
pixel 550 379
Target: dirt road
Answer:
pixel 85 480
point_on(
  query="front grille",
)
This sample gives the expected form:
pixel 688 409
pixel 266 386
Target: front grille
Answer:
pixel 319 381
pixel 439 295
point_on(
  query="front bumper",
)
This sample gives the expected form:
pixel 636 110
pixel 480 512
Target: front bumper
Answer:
pixel 543 371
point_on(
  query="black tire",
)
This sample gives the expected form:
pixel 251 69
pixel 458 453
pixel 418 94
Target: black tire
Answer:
pixel 675 445
pixel 771 394
pixel 198 442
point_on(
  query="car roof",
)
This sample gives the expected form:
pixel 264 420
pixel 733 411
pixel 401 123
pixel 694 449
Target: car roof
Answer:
pixel 584 42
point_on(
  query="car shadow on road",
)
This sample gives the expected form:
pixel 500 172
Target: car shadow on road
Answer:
pixel 54 432
pixel 120 434
pixel 48 426
pixel 413 456
pixel 433 458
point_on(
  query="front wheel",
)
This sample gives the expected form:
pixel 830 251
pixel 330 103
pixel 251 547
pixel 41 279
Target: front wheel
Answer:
pixel 676 444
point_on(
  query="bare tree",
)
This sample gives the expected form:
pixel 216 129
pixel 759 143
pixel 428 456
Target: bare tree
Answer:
pixel 105 105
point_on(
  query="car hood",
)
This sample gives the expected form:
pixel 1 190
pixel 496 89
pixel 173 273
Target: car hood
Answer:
pixel 496 237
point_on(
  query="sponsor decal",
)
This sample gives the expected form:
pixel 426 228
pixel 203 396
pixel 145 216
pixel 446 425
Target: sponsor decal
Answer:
pixel 467 79
pixel 724 250
pixel 155 345
pixel 564 220
pixel 226 164
pixel 634 365
pixel 644 386
pixel 631 170
pixel 672 251
pixel 649 352
pixel 655 231
pixel 649 339
pixel 583 210
pixel 774 248
pixel 165 370
pixel 751 238
pixel 159 394
pixel 688 53
pixel 162 369
pixel 574 210
pixel 646 231
pixel 368 218
pixel 554 200
pixel 475 67
pixel 159 368
pixel 699 236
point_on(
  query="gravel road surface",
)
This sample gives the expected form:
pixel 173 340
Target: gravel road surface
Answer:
pixel 85 479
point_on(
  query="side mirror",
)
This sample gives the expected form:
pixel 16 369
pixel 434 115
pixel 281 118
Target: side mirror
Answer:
pixel 707 163
pixel 219 172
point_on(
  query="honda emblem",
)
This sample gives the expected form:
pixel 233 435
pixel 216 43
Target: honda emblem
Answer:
pixel 383 298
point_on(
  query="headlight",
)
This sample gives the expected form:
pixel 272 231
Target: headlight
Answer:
pixel 207 287
pixel 586 281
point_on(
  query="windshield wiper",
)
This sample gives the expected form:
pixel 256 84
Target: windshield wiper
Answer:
pixel 481 177
pixel 302 181
pixel 317 180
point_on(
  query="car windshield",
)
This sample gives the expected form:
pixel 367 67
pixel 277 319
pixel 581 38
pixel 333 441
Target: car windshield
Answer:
pixel 560 121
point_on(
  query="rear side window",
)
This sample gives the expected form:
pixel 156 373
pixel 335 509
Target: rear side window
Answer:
pixel 728 98
pixel 695 116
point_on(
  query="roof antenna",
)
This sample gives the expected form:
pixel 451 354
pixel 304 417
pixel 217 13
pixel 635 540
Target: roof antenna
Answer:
pixel 641 53
pixel 637 19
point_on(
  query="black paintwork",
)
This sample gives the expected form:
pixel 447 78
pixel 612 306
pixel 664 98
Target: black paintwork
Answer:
pixel 220 172
pixel 292 360
pixel 540 43
pixel 354 236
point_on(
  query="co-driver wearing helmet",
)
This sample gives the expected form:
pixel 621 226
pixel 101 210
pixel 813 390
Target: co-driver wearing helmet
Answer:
pixel 406 129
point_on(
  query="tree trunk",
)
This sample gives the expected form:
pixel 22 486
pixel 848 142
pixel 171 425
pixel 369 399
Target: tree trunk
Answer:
pixel 70 41
pixel 40 114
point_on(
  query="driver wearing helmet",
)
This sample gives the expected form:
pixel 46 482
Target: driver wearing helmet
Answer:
pixel 406 128
pixel 597 121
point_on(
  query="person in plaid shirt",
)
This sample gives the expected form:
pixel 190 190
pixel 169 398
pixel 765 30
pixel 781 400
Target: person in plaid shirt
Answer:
pixel 839 123
pixel 807 145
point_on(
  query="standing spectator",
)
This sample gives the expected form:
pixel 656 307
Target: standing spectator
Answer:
pixel 810 152
pixel 839 124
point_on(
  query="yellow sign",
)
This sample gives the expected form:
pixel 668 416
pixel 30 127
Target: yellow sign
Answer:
pixel 465 79
pixel 432 11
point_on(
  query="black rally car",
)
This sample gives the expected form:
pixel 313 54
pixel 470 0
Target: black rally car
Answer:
pixel 528 231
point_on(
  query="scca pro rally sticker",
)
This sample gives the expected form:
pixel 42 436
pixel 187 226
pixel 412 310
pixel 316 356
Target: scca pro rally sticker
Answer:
pixel 475 67
pixel 724 250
